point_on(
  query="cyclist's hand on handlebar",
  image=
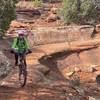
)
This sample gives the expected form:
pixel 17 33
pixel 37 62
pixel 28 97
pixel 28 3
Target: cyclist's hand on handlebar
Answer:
pixel 29 51
pixel 11 51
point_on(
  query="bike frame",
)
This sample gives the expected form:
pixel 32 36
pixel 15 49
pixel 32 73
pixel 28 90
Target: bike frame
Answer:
pixel 21 58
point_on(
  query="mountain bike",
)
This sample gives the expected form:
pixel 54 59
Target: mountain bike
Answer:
pixel 22 67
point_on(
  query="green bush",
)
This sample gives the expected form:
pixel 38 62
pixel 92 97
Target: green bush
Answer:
pixel 7 13
pixel 38 3
pixel 78 11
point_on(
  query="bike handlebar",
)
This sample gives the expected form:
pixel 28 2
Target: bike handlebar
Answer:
pixel 29 51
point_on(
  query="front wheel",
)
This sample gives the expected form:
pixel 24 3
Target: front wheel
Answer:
pixel 22 75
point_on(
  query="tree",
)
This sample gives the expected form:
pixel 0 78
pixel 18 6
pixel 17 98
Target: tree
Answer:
pixel 79 11
pixel 7 13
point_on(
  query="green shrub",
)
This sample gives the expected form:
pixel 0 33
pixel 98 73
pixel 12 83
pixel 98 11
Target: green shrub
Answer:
pixel 38 3
pixel 68 11
pixel 7 13
pixel 77 11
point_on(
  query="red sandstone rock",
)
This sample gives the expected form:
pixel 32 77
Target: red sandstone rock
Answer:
pixel 52 18
pixel 98 28
pixel 15 24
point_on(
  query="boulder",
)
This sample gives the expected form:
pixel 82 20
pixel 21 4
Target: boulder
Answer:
pixel 93 98
pixel 75 98
pixel 98 79
pixel 54 10
pixel 88 69
pixel 37 76
pixel 98 28
pixel 90 56
pixel 45 35
pixel 52 18
pixel 66 64
pixel 5 66
pixel 43 69
pixel 15 24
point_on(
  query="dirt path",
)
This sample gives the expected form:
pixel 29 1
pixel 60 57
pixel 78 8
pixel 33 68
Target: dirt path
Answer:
pixel 10 89
pixel 58 90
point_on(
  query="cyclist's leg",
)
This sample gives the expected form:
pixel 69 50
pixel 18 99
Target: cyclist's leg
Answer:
pixel 16 59
pixel 25 52
pixel 24 57
pixel 15 52
pixel 25 60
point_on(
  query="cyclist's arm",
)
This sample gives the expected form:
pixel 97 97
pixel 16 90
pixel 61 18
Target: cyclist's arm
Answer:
pixel 14 44
pixel 26 44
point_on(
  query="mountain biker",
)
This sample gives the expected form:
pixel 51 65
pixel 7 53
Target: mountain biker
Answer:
pixel 20 45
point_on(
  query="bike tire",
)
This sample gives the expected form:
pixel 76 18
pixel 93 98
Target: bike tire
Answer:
pixel 22 75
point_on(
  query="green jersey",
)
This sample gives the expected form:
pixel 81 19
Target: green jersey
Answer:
pixel 20 44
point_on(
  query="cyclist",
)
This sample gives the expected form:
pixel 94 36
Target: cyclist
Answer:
pixel 20 45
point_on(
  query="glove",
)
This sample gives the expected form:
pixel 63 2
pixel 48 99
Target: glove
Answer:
pixel 29 51
pixel 11 51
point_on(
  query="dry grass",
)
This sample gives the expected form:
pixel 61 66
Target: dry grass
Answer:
pixel 28 4
pixel 25 5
